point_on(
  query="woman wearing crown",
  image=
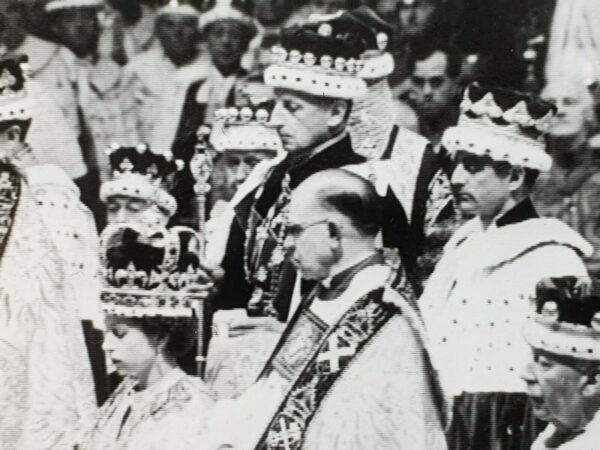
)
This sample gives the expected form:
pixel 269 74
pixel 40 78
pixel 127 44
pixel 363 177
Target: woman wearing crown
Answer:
pixel 149 299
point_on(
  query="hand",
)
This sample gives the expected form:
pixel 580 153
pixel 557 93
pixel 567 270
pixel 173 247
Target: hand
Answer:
pixel 208 281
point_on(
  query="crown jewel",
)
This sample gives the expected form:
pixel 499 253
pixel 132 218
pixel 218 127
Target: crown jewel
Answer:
pixel 150 271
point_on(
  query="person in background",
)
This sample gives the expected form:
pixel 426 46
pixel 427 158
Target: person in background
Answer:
pixel 570 190
pixel 228 31
pixel 148 300
pixel 97 80
pixel 563 371
pixel 416 22
pixel 156 80
pixel 138 190
pixel 351 369
pixel 134 28
pixel 55 130
pixel 242 139
pixel 48 247
pixel 433 89
pixel 477 299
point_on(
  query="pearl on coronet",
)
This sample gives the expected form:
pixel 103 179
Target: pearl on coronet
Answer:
pixel 246 114
pixel 310 59
pixel 326 61
pixel 295 56
pixel 382 41
pixel 262 115
pixel 325 30
pixel 340 64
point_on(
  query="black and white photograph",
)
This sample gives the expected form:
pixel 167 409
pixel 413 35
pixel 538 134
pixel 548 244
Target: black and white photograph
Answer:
pixel 300 224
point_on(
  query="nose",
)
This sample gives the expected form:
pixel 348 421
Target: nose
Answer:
pixel 427 89
pixel 458 176
pixel 277 116
pixel 528 374
pixel 242 172
pixel 108 344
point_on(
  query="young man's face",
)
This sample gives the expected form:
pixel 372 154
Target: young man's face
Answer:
pixel 238 165
pixel 416 16
pixel 477 188
pixel 227 42
pixel 303 119
pixel 555 390
pixel 123 209
pixel 78 29
pixel 433 90
pixel 178 36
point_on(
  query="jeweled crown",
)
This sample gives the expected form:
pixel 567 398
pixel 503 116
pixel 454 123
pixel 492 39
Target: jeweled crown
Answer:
pixel 140 173
pixel 566 317
pixel 150 271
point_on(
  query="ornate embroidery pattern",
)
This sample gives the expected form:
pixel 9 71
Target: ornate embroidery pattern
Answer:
pixel 9 196
pixel 362 321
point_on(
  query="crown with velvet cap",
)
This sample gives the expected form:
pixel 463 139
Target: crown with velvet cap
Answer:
pixel 150 271
pixel 503 124
pixel 15 104
pixel 228 10
pixel 176 7
pixel 247 129
pixel 325 57
pixel 140 173
pixel 378 62
pixel 566 320
pixel 56 5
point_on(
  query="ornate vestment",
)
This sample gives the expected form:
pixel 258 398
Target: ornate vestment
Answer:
pixel 47 381
pixel 168 415
pixel 475 305
pixel 349 373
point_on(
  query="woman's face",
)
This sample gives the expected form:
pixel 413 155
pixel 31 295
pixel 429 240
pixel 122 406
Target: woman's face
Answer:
pixel 132 351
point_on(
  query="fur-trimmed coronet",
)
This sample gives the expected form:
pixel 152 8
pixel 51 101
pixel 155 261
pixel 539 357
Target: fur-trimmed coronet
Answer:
pixel 503 124
pixel 15 103
pixel 566 320
pixel 217 10
pixel 140 173
pixel 246 128
pixel 178 8
pixel 150 271
pixel 56 5
pixel 332 55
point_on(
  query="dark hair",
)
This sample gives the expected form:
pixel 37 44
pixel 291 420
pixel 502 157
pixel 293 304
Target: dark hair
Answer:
pixel 361 204
pixel 181 332
pixel 426 47
pixel 24 125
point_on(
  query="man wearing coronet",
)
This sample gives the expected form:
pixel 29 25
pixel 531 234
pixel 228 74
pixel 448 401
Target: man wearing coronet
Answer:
pixel 315 80
pixel 477 300
pixel 563 371
pixel 49 258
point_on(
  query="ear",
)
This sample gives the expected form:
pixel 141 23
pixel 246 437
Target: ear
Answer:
pixel 590 384
pixel 335 233
pixel 338 113
pixel 14 133
pixel 516 178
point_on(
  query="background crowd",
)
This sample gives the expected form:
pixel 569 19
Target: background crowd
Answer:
pixel 126 72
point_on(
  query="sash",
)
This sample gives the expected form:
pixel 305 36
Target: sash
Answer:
pixel 337 350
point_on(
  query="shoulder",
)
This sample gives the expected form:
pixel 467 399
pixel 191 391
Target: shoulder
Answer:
pixel 188 393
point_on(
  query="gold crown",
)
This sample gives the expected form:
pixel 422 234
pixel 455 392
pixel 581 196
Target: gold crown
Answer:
pixel 150 271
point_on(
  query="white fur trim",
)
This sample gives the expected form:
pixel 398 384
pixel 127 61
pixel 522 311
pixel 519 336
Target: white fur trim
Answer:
pixel 181 10
pixel 56 5
pixel 562 339
pixel 377 67
pixel 250 137
pixel 16 108
pixel 224 11
pixel 314 80
pixel 138 186
pixel 500 146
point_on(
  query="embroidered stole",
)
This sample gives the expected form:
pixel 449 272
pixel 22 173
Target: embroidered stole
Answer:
pixel 337 349
pixel 10 189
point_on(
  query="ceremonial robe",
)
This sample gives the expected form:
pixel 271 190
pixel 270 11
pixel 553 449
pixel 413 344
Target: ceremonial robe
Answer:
pixel 475 305
pixel 171 414
pixel 349 373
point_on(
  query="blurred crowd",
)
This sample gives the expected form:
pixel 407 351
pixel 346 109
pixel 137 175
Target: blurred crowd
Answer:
pixel 122 72
pixel 464 129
